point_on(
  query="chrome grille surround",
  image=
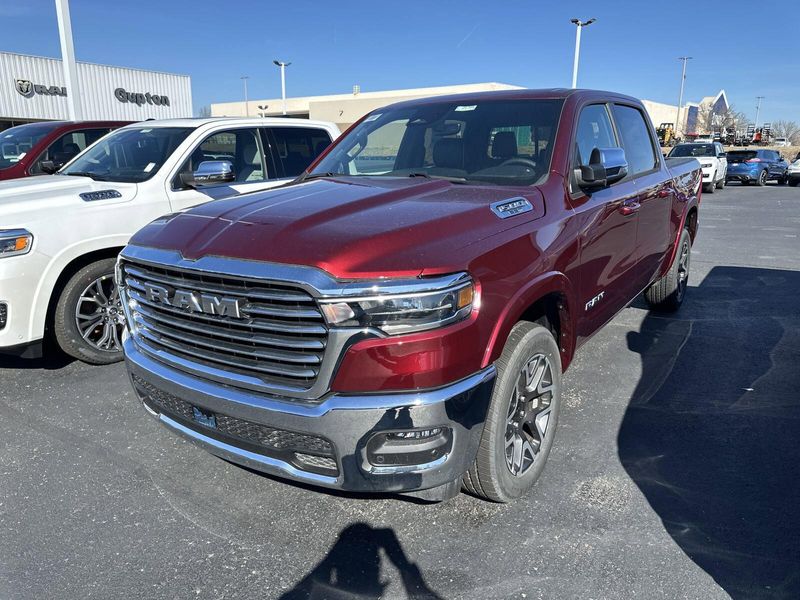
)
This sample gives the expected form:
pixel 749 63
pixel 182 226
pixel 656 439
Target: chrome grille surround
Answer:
pixel 282 348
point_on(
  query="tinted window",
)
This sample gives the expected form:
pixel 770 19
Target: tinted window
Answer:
pixel 294 148
pixel 16 142
pixel 67 147
pixel 594 131
pixel 741 155
pixel 131 154
pixel 504 142
pixel 238 146
pixel 635 138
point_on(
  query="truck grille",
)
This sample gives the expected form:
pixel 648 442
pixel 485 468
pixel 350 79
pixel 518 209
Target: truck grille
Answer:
pixel 278 338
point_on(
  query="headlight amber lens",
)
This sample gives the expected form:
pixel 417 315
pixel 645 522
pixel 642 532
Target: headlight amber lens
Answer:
pixel 15 242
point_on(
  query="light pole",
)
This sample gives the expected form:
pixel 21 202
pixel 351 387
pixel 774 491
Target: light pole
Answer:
pixel 580 25
pixel 244 79
pixel 68 60
pixel 758 108
pixel 684 59
pixel 283 66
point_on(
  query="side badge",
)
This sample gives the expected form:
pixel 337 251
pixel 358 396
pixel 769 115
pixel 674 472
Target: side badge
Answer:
pixel 101 195
pixel 511 207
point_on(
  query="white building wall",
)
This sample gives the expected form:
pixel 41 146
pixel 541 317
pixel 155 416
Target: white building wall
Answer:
pixel 97 85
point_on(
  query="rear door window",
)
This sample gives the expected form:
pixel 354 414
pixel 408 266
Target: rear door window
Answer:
pixel 636 139
pixel 294 148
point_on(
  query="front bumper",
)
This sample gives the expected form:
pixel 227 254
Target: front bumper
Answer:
pixel 347 422
pixel 19 280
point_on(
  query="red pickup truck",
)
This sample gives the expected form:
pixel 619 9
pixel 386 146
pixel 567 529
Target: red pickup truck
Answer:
pixel 398 319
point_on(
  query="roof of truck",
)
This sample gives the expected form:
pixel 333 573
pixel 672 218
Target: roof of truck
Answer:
pixel 195 122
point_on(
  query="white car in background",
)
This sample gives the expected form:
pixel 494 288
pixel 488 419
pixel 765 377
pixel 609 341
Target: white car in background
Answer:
pixel 793 173
pixel 60 234
pixel 713 161
pixel 781 142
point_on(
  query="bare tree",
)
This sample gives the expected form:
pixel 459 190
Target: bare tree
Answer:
pixel 204 111
pixel 788 129
pixel 708 120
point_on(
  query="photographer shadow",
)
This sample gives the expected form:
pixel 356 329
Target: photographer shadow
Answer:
pixel 712 433
pixel 352 568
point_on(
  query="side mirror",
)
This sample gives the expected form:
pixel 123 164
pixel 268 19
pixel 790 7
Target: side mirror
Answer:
pixel 606 166
pixel 209 172
pixel 49 167
pixel 722 155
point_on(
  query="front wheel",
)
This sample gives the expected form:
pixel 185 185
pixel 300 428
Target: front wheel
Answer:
pixel 666 294
pixel 88 319
pixel 521 421
pixel 793 182
pixel 721 184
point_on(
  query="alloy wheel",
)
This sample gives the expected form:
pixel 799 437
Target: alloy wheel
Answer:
pixel 528 415
pixel 99 315
pixel 683 268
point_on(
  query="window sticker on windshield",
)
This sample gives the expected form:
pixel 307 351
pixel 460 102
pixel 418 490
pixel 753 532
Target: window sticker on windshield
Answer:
pixel 466 107
pixel 21 156
pixel 145 130
pixel 373 118
pixel 149 167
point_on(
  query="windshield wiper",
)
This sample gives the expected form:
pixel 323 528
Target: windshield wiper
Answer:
pixel 320 175
pixel 82 174
pixel 445 177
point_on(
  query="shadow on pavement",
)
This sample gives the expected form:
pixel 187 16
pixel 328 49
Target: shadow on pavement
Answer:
pixel 352 568
pixel 51 361
pixel 712 433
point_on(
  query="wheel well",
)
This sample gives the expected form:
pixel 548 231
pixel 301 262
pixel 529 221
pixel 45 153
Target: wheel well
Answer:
pixel 691 222
pixel 73 267
pixel 547 312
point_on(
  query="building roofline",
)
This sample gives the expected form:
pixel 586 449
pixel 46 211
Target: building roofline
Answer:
pixel 97 64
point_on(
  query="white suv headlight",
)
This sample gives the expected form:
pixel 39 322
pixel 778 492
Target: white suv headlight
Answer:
pixel 14 242
pixel 406 312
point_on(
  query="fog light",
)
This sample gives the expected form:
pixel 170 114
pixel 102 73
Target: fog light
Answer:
pixel 3 314
pixel 409 448
pixel 415 435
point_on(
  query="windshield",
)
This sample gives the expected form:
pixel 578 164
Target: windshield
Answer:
pixel 128 155
pixel 16 142
pixel 484 141
pixel 693 150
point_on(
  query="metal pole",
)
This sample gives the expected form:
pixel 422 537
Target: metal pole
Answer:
pixel 680 97
pixel 580 25
pixel 758 109
pixel 68 60
pixel 246 105
pixel 283 86
pixel 577 56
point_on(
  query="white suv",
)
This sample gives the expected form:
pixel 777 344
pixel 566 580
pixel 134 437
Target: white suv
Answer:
pixel 713 161
pixel 60 234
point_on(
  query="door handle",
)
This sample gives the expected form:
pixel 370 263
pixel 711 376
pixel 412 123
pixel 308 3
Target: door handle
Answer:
pixel 663 193
pixel 628 208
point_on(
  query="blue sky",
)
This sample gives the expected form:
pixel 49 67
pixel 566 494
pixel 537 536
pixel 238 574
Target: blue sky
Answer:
pixel 633 48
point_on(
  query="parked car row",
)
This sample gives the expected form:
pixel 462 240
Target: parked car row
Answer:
pixel 755 166
pixel 396 317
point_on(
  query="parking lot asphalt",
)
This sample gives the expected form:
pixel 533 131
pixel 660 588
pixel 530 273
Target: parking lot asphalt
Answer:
pixel 675 472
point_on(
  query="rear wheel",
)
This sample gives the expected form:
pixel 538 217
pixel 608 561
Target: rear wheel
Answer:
pixel 667 293
pixel 521 421
pixel 762 178
pixel 88 319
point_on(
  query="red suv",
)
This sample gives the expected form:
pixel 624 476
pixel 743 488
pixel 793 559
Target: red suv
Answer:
pixel 24 149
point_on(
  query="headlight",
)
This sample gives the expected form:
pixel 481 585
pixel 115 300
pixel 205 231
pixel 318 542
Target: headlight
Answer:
pixel 14 242
pixel 403 312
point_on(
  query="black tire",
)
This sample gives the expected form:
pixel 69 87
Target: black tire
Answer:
pixel 708 188
pixel 490 476
pixel 782 180
pixel 762 178
pixel 667 293
pixel 721 184
pixel 70 336
pixel 793 182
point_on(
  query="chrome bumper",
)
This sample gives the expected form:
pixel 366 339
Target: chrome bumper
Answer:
pixel 347 421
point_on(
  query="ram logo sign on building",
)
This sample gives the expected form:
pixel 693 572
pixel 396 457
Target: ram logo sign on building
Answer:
pixel 33 88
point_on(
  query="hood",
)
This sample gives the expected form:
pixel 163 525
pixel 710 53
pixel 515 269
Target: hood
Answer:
pixel 46 192
pixel 350 227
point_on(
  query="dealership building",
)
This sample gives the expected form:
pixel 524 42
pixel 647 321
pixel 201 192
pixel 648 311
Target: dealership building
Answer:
pixel 32 88
pixel 346 109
